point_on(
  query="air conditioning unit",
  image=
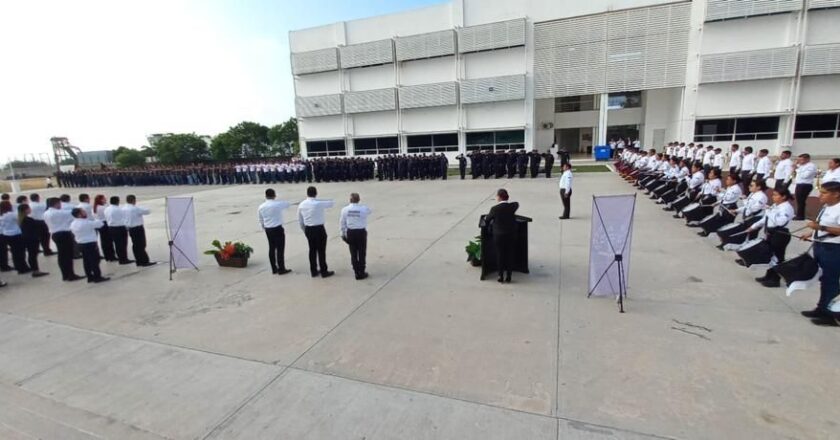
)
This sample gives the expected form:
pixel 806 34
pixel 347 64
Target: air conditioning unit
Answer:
pixel 547 125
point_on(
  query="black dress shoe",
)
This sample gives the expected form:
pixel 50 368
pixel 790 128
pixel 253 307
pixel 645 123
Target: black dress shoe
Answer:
pixel 816 313
pixel 719 247
pixel 501 279
pixel 741 262
pixel 327 274
pixel 100 279
pixel 282 271
pixel 150 263
pixel 669 209
pixel 6 269
pixel 39 274
pixel 826 321
pixel 74 278
pixel 761 279
pixel 676 216
pixel 771 283
pixel 362 276
pixel 123 263
pixel 703 234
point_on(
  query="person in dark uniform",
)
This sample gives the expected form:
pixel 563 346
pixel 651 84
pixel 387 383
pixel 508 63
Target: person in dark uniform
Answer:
pixel 462 166
pixel 511 164
pixel 535 163
pixel 503 219
pixel 487 164
pixel 521 163
pixel 549 162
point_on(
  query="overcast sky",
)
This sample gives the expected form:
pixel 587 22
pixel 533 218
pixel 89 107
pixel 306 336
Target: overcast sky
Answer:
pixel 106 73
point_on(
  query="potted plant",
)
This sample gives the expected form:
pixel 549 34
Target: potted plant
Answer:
pixel 473 249
pixel 231 254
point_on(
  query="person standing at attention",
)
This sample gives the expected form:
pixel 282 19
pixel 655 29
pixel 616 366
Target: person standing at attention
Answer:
pixel 270 214
pixel 311 219
pixel 58 221
pixel 806 172
pixel 134 223
pixel 115 218
pixel 84 230
pixel 826 238
pixel 566 190
pixel 353 223
pixel 503 219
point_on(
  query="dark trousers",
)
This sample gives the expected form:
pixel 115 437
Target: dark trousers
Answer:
pixel 119 234
pixel 107 243
pixel 64 244
pixel 44 236
pixel 90 260
pixel 463 171
pixel 778 238
pixel 357 240
pixel 32 244
pixel 746 178
pixel 317 238
pixel 4 253
pixel 504 252
pixel 18 252
pixel 566 196
pixel 138 245
pixel 828 257
pixel 802 192
pixel 276 248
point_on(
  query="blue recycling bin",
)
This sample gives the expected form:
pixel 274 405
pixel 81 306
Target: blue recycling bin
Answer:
pixel 602 152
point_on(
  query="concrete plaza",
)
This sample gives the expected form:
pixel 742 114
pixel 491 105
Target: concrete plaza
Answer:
pixel 422 349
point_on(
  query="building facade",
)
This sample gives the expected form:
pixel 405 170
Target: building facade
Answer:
pixel 499 74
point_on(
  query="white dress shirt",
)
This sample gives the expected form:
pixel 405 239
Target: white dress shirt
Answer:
pixel 754 204
pixel 38 210
pixel 829 216
pixel 735 160
pixel 311 211
pixel 806 173
pixel 134 215
pixel 566 181
pixel 114 216
pixel 763 166
pixel 9 225
pixel 718 161
pixel 270 213
pixel 697 180
pixel 99 213
pixel 731 195
pixel 748 162
pixel 778 216
pixel 87 208
pixel 67 206
pixel 58 220
pixel 707 157
pixel 831 175
pixel 712 187
pixel 783 170
pixel 353 216
pixel 84 230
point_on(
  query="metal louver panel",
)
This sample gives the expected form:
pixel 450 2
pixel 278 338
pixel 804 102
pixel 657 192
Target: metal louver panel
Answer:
pixel 819 4
pixel 370 101
pixel 429 95
pixel 430 45
pixel 322 60
pixel 324 105
pixel 754 64
pixel 649 45
pixel 722 9
pixel 498 88
pixel 499 35
pixel 821 60
pixel 367 54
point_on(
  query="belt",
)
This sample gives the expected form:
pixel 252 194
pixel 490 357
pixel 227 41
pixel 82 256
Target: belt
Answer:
pixel 358 229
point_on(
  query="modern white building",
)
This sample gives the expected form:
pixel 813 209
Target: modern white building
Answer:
pixel 501 74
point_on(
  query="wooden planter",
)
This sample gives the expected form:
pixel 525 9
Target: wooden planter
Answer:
pixel 232 261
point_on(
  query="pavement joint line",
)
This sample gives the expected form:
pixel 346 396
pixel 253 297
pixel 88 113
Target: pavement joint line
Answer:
pixel 630 431
pixel 388 282
pixel 37 374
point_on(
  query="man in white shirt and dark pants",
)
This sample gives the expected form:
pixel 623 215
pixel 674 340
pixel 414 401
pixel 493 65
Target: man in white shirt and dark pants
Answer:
pixel 566 190
pixel 784 169
pixel 311 219
pixel 58 221
pixel 353 223
pixel 134 223
pixel 37 214
pixel 806 171
pixel 270 214
pixel 115 217
pixel 84 231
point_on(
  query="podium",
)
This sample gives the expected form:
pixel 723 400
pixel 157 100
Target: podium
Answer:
pixel 488 247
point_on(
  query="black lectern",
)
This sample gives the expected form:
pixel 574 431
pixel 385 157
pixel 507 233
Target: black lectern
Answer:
pixel 488 248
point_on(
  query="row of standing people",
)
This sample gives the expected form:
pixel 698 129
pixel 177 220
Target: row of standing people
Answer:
pixel 508 164
pixel 90 231
pixel 715 207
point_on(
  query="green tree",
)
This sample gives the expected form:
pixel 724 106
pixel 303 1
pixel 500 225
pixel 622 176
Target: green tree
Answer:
pixel 246 139
pixel 221 147
pixel 284 138
pixel 129 158
pixel 180 148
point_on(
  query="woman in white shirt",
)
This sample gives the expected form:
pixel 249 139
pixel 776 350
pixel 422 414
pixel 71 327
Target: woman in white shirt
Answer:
pixel 13 235
pixel 775 225
pixel 826 237
pixel 751 212
pixel 728 201
pixel 105 239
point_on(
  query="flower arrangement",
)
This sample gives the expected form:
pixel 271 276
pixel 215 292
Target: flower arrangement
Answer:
pixel 473 249
pixel 234 254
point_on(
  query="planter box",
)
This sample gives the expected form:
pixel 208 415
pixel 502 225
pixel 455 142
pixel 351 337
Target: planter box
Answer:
pixel 232 261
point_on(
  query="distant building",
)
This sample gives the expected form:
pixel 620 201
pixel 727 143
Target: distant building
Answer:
pixel 88 158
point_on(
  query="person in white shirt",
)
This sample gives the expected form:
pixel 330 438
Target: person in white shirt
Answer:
pixel 115 218
pixel 10 228
pixel 708 158
pixel 784 170
pixel 762 168
pixel 58 222
pixel 353 223
pixel 105 240
pixel 311 219
pixel 84 231
pixel 270 214
pixel 134 223
pixel 65 202
pixel 566 190
pixel 826 237
pixel 37 213
pixel 806 172
pixel 84 203
pixel 775 224
pixel 717 161
pixel 727 203
pixel 751 212
pixel 735 159
pixel 747 168
pixel 832 174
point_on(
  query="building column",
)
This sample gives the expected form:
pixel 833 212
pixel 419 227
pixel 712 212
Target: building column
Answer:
pixel 602 120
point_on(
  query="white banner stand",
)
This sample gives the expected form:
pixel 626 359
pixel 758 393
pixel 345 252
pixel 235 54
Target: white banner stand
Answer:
pixel 180 230
pixel 609 246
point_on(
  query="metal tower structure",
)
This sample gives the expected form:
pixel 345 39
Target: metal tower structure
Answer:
pixel 63 150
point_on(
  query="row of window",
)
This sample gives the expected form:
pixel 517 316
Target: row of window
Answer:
pixel 422 143
pixel 583 103
pixel 766 128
